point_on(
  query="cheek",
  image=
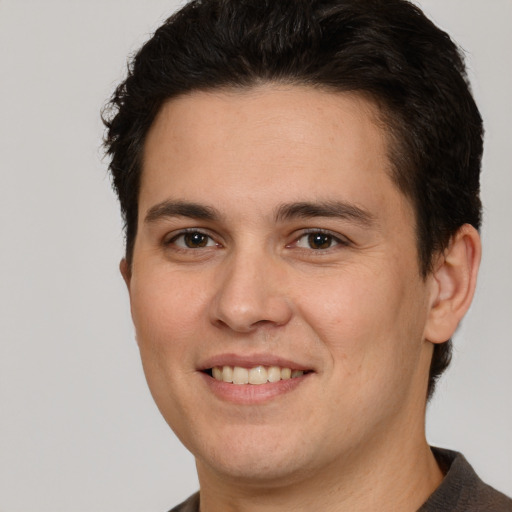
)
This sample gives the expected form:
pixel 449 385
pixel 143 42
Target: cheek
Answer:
pixel 369 322
pixel 165 312
pixel 166 317
pixel 349 307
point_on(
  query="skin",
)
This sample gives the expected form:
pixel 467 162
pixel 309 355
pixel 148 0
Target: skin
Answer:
pixel 355 312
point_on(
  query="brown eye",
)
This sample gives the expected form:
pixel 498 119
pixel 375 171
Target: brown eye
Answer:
pixel 320 240
pixel 193 240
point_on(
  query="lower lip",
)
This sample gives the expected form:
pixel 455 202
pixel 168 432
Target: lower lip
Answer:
pixel 250 394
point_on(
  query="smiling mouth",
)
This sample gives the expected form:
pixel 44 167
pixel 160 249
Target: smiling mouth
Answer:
pixel 257 375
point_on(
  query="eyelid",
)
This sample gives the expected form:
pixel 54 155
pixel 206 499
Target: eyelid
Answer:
pixel 336 237
pixel 170 238
pixel 339 239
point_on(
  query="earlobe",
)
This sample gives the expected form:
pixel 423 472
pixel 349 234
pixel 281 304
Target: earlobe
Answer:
pixel 454 282
pixel 126 272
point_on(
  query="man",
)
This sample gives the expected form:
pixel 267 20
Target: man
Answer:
pixel 300 185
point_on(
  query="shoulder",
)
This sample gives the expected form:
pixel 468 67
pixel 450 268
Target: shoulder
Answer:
pixel 190 505
pixel 462 490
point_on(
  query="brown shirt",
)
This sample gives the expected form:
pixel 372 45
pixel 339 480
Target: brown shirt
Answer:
pixel 460 491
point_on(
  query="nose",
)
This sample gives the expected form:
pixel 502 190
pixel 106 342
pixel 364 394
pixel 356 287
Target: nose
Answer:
pixel 250 293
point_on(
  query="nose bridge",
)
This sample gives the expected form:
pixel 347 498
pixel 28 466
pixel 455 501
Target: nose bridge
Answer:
pixel 250 290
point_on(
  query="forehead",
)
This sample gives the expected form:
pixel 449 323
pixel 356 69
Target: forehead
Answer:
pixel 269 142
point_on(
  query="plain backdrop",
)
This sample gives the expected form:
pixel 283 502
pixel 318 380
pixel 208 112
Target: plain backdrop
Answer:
pixel 78 428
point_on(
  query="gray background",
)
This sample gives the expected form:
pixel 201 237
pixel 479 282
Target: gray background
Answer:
pixel 78 428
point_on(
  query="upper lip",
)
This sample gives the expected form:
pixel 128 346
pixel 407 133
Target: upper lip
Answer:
pixel 251 361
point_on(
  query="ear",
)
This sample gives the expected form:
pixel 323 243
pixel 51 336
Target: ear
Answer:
pixel 126 272
pixel 454 280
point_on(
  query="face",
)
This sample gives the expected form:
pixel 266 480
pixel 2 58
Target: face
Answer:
pixel 274 248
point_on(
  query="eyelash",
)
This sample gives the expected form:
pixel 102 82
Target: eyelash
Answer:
pixel 191 231
pixel 334 240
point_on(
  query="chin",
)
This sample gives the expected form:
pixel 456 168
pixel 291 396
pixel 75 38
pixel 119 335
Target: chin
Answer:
pixel 256 457
pixel 255 468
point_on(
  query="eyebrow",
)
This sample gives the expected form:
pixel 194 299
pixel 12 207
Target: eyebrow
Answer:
pixel 169 208
pixel 288 211
pixel 337 209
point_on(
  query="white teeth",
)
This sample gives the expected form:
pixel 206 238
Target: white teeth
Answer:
pixel 274 374
pixel 256 375
pixel 227 374
pixel 286 373
pixel 240 375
